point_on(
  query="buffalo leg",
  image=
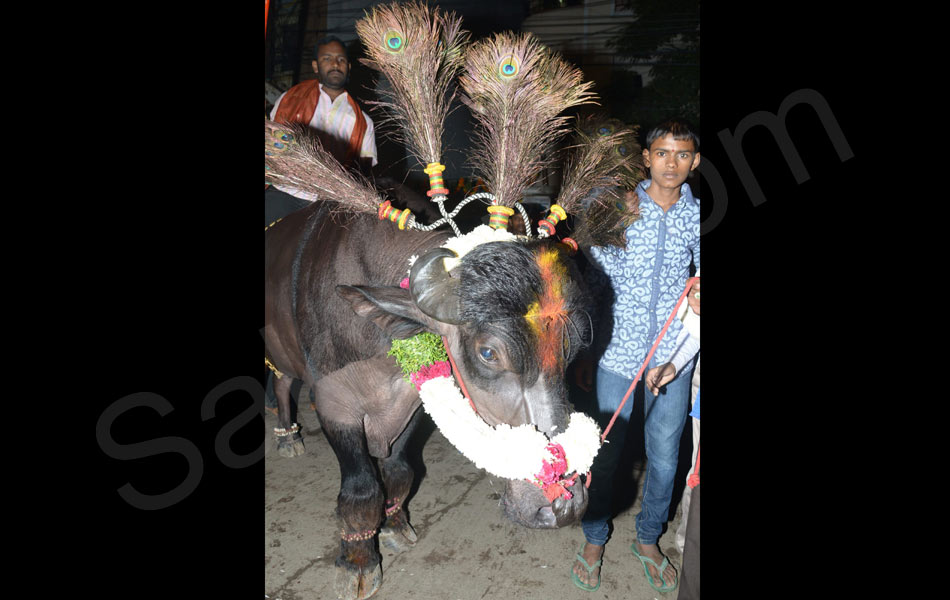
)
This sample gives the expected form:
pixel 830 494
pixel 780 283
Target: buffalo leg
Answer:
pixel 360 507
pixel 289 440
pixel 397 534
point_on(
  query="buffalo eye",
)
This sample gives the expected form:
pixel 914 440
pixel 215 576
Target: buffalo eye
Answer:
pixel 487 354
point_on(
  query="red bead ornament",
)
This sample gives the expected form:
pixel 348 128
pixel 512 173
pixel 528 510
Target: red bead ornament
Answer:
pixel 571 243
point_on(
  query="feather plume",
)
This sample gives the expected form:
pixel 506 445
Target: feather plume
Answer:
pixel 606 162
pixel 419 50
pixel 516 89
pixel 605 154
pixel 604 219
pixel 293 156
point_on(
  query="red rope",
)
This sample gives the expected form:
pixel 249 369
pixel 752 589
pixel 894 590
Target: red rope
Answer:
pixel 693 479
pixel 458 374
pixel 689 284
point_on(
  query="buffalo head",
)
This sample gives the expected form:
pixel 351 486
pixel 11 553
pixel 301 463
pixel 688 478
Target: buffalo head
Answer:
pixel 513 315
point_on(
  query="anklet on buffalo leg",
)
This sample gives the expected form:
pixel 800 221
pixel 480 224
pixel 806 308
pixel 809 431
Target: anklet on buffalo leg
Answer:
pixel 281 432
pixel 359 536
pixel 394 508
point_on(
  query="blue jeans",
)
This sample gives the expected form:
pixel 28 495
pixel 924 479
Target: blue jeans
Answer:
pixel 664 418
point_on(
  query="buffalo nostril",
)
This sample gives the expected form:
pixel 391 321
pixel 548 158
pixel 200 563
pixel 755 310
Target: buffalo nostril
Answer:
pixel 545 518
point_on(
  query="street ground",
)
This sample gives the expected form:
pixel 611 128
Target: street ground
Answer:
pixel 467 549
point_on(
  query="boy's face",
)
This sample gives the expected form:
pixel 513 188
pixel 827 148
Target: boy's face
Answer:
pixel 670 160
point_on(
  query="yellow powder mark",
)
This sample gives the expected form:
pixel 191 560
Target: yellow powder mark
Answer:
pixel 547 314
pixel 534 311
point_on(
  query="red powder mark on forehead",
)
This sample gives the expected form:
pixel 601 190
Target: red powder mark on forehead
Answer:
pixel 548 314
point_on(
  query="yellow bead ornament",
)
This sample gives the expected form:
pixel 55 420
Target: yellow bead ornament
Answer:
pixel 555 215
pixel 436 184
pixel 499 216
pixel 399 217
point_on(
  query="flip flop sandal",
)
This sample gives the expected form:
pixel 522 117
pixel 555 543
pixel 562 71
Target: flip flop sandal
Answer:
pixel 659 569
pixel 590 571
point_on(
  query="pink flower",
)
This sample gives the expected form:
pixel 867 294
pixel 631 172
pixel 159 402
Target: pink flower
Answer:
pixel 553 470
pixel 437 369
pixel 560 458
pixel 404 284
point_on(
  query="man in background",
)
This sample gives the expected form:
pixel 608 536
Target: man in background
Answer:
pixel 323 104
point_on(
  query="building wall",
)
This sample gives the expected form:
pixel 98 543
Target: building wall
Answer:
pixel 580 34
pixel 282 44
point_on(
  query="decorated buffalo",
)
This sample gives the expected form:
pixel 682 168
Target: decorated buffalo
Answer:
pixel 336 338
pixel 382 316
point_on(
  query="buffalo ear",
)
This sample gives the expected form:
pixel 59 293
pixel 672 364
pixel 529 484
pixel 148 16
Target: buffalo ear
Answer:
pixel 389 308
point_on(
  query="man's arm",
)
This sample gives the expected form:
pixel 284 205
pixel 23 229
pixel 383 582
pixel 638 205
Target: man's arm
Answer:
pixel 273 111
pixel 368 156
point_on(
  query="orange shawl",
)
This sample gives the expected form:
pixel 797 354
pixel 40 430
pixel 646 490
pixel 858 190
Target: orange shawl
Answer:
pixel 300 103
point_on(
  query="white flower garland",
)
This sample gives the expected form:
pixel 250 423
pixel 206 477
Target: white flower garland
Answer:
pixel 505 451
pixel 462 244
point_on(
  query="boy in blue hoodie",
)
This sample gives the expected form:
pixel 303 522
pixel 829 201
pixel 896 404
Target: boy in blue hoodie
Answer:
pixel 646 279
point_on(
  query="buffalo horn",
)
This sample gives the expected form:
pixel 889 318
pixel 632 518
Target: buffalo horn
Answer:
pixel 432 288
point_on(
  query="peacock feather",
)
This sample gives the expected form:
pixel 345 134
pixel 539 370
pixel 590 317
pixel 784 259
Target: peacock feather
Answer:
pixel 294 156
pixel 604 164
pixel 419 51
pixel 517 89
pixel 605 153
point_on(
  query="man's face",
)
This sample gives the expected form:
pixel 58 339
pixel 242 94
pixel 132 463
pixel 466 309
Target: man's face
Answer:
pixel 331 65
pixel 670 160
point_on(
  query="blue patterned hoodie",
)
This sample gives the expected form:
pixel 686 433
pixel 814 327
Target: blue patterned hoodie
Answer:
pixel 646 279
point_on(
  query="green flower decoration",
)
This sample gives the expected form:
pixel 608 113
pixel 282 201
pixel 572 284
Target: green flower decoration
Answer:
pixel 416 352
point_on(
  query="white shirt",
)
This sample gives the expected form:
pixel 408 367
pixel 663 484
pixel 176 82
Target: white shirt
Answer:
pixel 687 343
pixel 334 121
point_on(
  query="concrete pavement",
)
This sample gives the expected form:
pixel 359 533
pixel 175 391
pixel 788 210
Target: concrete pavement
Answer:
pixel 467 549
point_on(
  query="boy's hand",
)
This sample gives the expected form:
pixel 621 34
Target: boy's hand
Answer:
pixel 693 297
pixel 659 376
pixel 632 201
pixel 584 373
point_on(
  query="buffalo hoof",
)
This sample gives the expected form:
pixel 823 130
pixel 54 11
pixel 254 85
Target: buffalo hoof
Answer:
pixel 291 445
pixel 398 539
pixel 356 584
